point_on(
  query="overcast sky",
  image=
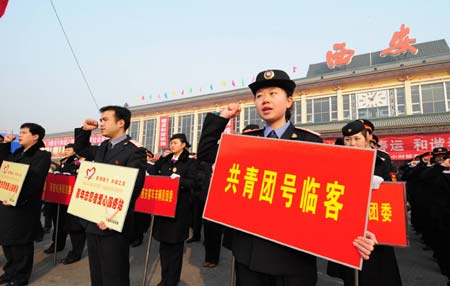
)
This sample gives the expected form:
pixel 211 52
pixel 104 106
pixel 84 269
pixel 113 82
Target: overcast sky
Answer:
pixel 131 49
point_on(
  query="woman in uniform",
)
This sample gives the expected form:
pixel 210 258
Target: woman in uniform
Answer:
pixel 172 232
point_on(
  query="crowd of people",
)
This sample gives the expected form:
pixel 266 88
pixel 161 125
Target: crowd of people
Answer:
pixel 257 261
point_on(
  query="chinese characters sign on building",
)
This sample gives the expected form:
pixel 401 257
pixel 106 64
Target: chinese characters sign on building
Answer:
pixel 12 176
pixel 400 44
pixel 387 214
pixel 164 132
pixel 301 199
pixel 58 188
pixel 159 196
pixel 102 192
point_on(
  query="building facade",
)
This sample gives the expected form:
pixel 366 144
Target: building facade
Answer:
pixel 406 96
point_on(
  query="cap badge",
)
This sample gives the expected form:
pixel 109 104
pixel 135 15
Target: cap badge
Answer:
pixel 294 136
pixel 269 74
pixel 349 130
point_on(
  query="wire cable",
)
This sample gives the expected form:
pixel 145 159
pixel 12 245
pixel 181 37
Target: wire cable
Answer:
pixel 74 56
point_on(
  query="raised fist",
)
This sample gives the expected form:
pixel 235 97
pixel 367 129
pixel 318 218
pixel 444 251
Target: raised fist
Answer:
pixel 90 124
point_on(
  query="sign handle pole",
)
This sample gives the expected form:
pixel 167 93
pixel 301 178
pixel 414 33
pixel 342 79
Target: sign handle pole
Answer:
pixel 356 277
pixel 233 272
pixel 147 257
pixel 55 244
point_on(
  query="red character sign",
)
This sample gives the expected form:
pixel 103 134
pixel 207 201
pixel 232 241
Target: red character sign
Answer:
pixel 341 56
pixel 295 200
pixel 400 43
pixel 3 4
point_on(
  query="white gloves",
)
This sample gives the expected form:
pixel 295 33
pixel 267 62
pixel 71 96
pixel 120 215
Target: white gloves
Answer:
pixel 376 181
pixel 174 176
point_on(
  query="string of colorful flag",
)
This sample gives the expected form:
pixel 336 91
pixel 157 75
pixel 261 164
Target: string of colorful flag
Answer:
pixel 191 91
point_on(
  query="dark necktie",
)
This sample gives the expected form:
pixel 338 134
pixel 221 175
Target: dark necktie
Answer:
pixel 272 134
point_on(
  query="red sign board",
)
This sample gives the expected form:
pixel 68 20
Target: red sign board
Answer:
pixel 387 214
pixel 58 188
pixel 159 196
pixel 400 43
pixel 408 146
pixel 164 132
pixel 311 197
pixel 341 56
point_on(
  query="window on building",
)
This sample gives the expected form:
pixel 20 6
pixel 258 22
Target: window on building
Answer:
pixel 133 130
pixel 433 98
pixel 186 126
pixel 415 98
pixel 237 124
pixel 296 117
pixel 447 88
pixel 149 134
pixel 321 109
pixel 346 103
pixel 400 99
pixel 172 126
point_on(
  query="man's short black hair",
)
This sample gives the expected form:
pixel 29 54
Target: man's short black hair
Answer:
pixel 35 129
pixel 120 113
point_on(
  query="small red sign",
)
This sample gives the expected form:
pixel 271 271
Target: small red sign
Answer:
pixel 387 214
pixel 58 188
pixel 159 196
pixel 312 197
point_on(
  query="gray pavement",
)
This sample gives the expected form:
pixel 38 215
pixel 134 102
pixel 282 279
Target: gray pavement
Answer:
pixel 416 266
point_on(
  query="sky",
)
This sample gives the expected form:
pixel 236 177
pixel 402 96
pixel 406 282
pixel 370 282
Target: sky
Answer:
pixel 137 49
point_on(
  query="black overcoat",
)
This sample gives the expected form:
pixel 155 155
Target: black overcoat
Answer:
pixel 19 224
pixel 175 230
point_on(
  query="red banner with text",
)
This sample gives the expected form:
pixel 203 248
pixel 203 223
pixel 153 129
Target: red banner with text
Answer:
pixel 311 197
pixel 159 196
pixel 387 214
pixel 164 132
pixel 408 146
pixel 58 188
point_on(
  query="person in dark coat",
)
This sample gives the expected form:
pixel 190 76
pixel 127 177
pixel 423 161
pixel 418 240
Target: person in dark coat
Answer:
pixel 172 232
pixel 143 220
pixel 260 261
pixel 108 249
pixel 69 166
pixel 381 268
pixel 19 225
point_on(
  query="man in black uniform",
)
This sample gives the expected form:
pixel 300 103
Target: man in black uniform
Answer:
pixel 109 250
pixel 259 261
pixel 19 225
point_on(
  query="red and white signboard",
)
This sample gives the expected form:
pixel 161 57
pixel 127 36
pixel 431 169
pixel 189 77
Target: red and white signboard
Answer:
pixel 312 197
pixel 95 139
pixel 387 214
pixel 159 196
pixel 408 146
pixel 164 132
pixel 58 188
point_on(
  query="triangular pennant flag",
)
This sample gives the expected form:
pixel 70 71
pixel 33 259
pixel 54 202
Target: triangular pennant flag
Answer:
pixel 233 83
pixel 165 95
pixel 294 69
pixel 182 92
pixel 150 97
pixel 190 90
pixel 242 82
pixel 211 86
pixel 224 83
pixel 143 98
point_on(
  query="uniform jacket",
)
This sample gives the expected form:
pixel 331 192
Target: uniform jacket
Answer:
pixel 175 230
pixel 19 224
pixel 259 254
pixel 69 165
pixel 124 153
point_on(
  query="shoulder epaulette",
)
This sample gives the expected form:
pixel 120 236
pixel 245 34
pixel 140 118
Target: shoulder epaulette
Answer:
pixel 382 151
pixel 135 143
pixel 308 130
